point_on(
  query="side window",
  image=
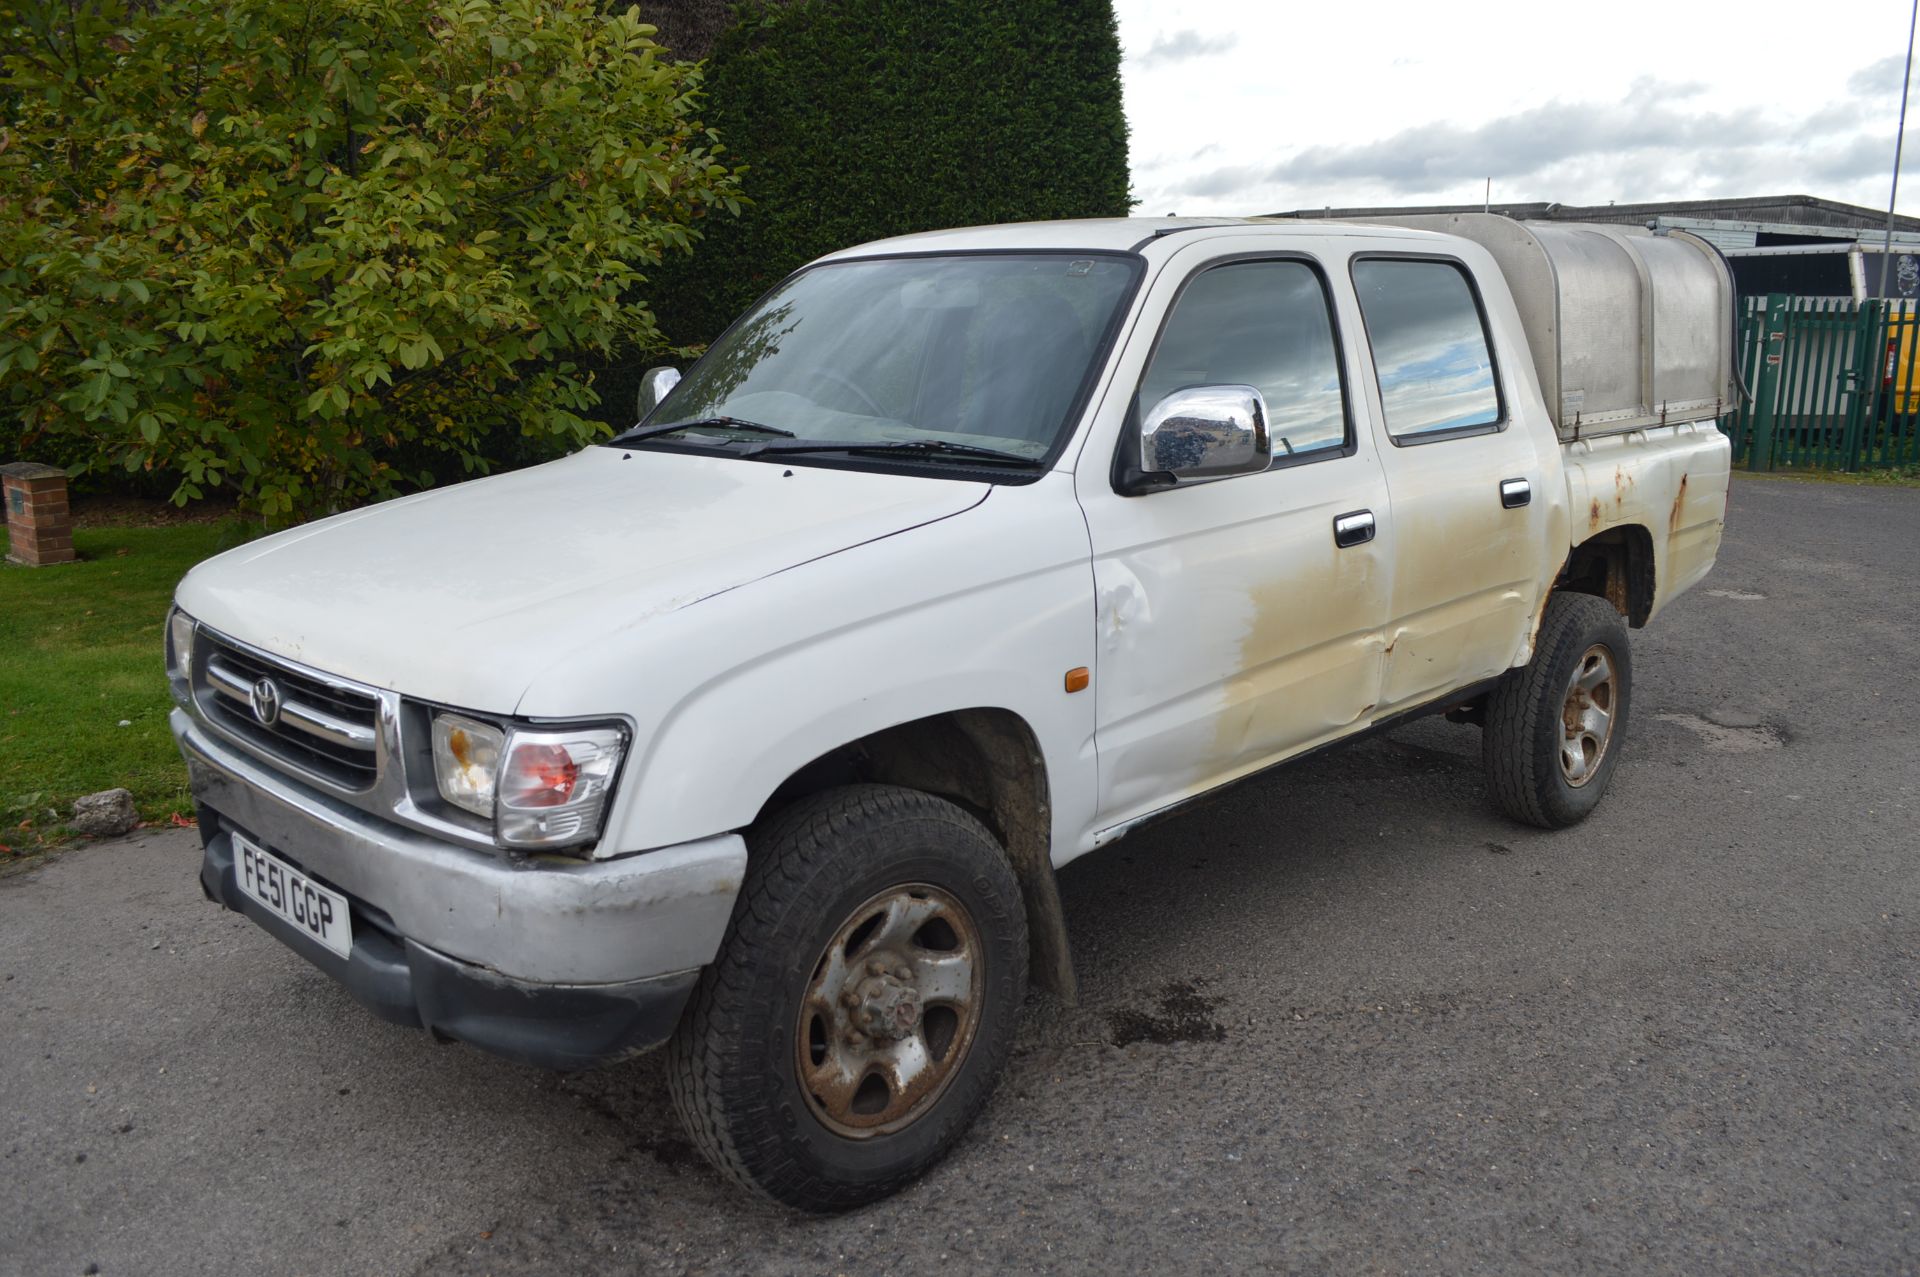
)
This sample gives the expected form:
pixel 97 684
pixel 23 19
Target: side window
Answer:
pixel 1259 324
pixel 1429 346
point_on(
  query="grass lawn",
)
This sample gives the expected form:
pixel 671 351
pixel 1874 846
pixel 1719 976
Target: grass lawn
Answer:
pixel 81 653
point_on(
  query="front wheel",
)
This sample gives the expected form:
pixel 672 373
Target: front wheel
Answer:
pixel 863 1002
pixel 1554 727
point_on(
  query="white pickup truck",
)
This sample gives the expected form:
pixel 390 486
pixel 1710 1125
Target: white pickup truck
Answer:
pixel 761 730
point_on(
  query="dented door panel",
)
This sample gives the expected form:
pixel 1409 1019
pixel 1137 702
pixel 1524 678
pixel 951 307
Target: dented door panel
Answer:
pixel 1232 630
pixel 1466 569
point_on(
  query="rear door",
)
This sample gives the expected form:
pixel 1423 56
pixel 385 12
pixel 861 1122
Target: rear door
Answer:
pixel 1232 629
pixel 1459 444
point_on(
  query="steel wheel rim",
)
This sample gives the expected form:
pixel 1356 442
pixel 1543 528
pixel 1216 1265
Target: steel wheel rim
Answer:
pixel 890 1011
pixel 1587 714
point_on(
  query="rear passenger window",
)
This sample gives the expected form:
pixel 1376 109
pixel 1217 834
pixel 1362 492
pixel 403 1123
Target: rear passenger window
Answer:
pixel 1259 324
pixel 1430 348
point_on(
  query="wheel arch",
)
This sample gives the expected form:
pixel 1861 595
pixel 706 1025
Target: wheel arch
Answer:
pixel 988 761
pixel 1618 566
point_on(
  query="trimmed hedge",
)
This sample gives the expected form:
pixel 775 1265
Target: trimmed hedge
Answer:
pixel 859 119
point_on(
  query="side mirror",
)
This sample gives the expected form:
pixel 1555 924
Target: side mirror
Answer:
pixel 1203 432
pixel 654 385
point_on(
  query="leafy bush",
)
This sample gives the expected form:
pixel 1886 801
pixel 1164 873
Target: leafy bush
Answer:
pixel 280 244
pixel 868 118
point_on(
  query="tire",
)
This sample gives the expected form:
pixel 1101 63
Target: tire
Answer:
pixel 1540 770
pixel 829 1054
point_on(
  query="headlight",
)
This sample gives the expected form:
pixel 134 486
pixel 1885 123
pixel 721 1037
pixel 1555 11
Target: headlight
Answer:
pixel 553 789
pixel 179 644
pixel 466 759
pixel 541 786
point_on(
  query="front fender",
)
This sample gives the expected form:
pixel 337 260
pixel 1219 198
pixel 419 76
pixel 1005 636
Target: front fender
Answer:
pixel 730 697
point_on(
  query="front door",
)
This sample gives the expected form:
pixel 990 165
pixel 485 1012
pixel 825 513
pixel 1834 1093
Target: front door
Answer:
pixel 1232 629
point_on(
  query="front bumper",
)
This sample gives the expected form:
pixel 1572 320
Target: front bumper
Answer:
pixel 554 1026
pixel 550 961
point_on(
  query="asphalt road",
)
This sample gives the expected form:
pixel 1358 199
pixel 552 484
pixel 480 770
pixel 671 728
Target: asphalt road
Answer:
pixel 1343 1020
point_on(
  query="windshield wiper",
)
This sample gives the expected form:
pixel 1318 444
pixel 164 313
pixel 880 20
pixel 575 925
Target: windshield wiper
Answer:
pixel 638 433
pixel 922 447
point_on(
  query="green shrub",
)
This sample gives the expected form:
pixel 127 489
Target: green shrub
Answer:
pixel 279 244
pixel 868 118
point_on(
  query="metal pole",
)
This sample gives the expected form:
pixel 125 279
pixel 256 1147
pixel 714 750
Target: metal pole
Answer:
pixel 1899 140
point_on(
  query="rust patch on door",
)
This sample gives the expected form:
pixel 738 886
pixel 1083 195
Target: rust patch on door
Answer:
pixel 1593 515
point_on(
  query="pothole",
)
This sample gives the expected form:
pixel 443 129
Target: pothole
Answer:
pixel 1729 740
pixel 1739 596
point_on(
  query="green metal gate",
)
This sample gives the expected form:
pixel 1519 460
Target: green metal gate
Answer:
pixel 1833 384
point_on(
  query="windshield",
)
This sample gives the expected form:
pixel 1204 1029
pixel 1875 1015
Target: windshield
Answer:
pixel 959 352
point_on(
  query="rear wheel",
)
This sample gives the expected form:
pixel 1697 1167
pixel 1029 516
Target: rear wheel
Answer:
pixel 863 1002
pixel 1554 728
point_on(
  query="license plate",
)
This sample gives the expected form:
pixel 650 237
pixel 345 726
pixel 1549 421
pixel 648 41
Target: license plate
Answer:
pixel 291 895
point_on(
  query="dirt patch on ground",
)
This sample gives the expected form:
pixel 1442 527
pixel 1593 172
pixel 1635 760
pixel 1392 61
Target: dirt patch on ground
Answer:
pixel 1728 739
pixel 1184 1014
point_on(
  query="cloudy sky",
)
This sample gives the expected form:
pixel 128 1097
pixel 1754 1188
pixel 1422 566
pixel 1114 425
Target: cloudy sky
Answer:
pixel 1251 106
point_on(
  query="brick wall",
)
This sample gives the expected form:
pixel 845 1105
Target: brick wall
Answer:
pixel 39 526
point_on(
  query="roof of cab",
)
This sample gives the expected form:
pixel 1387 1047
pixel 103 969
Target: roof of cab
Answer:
pixel 1110 234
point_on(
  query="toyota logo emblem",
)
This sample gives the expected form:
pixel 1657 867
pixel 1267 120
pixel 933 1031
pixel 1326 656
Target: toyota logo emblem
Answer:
pixel 265 699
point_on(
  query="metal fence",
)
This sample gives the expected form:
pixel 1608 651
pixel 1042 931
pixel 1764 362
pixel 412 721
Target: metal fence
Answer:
pixel 1833 381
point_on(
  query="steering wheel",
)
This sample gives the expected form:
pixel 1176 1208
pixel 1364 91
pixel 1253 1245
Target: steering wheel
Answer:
pixel 841 380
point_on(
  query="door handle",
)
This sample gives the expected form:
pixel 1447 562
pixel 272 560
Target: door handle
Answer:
pixel 1353 529
pixel 1515 493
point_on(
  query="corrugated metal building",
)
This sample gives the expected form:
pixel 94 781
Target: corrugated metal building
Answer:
pixel 1765 221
